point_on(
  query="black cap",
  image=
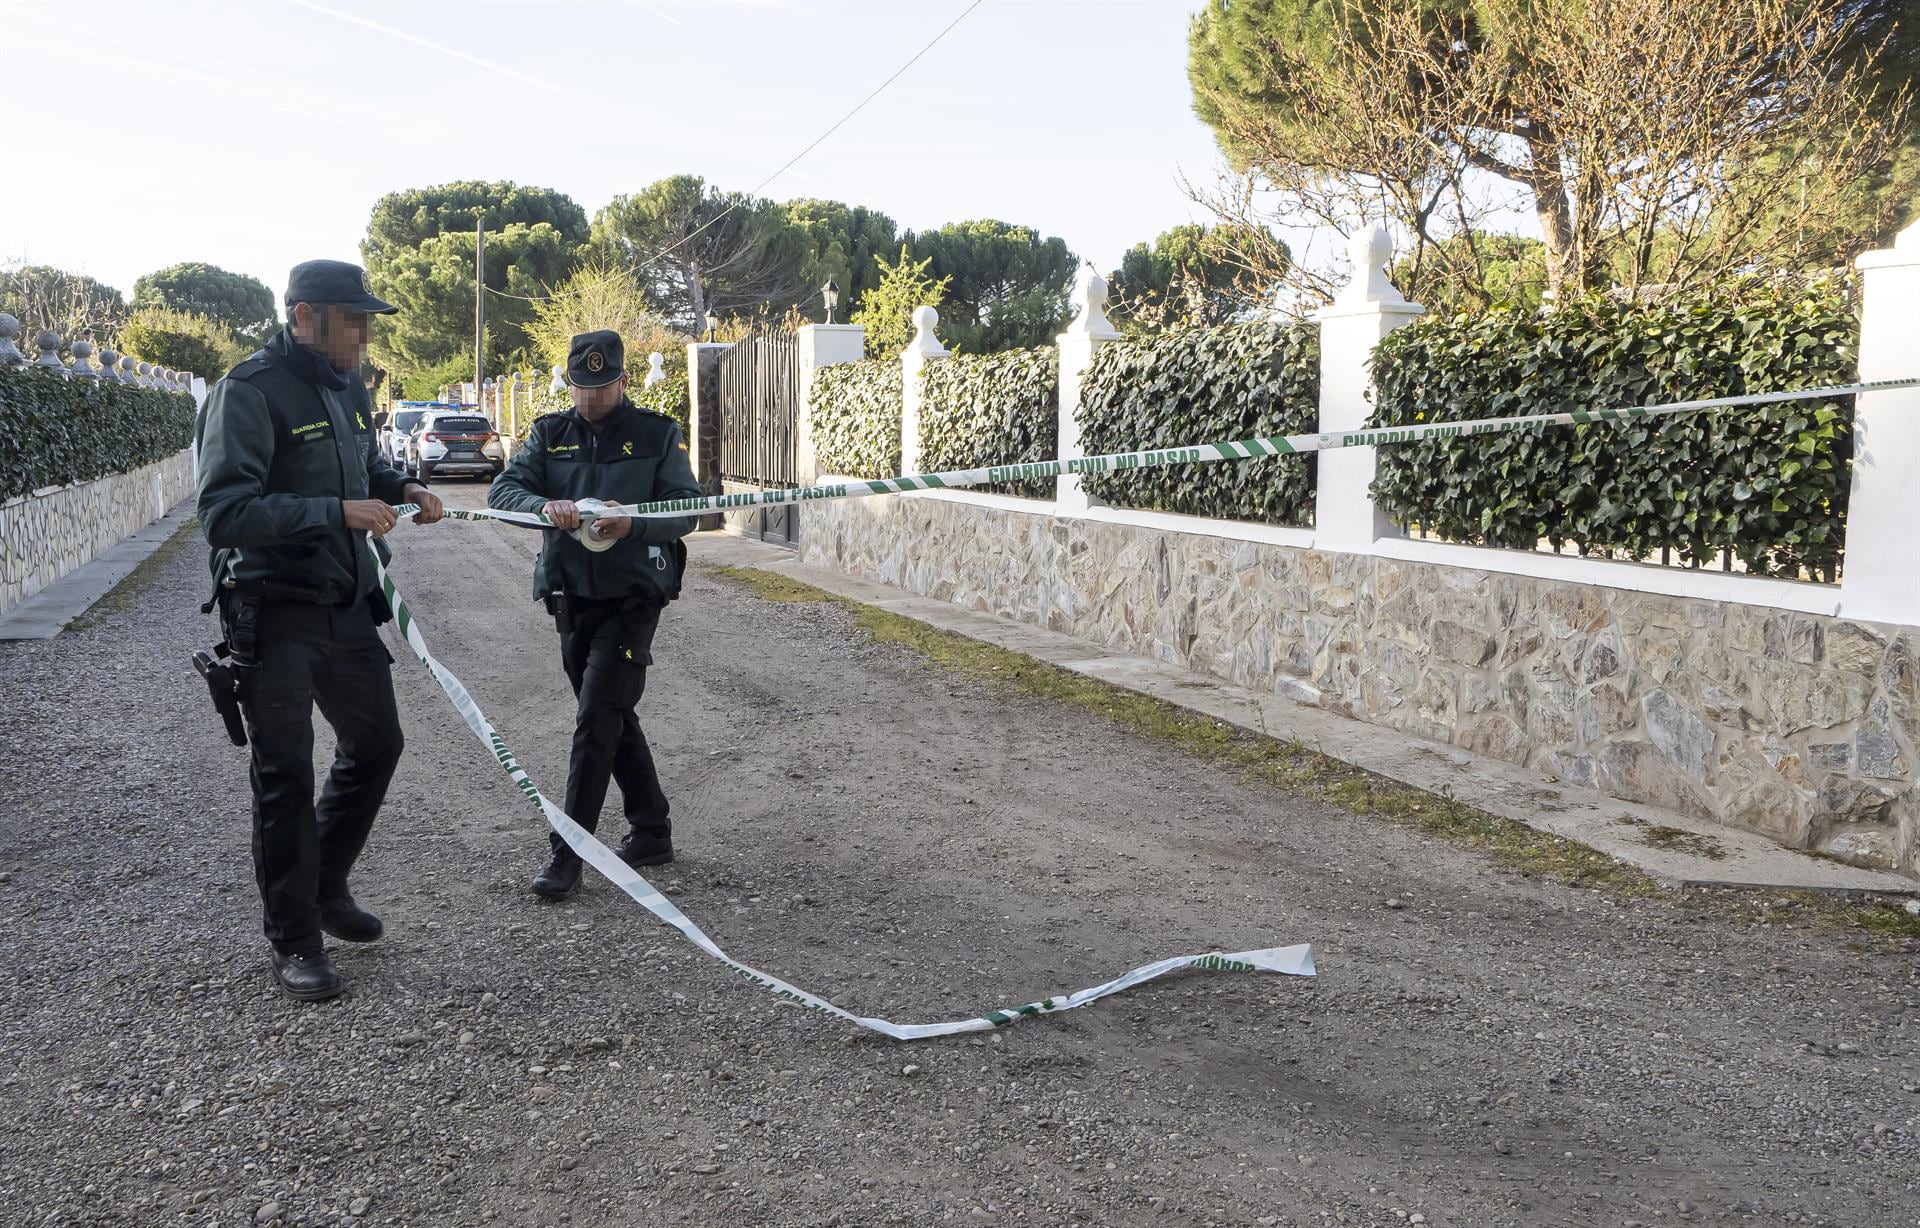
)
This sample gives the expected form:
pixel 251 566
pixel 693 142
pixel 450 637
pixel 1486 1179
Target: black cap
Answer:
pixel 334 282
pixel 595 360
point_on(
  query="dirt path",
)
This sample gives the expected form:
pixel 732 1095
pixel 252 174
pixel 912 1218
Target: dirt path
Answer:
pixel 1495 1051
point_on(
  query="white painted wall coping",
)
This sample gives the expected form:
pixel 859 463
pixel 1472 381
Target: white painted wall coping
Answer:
pixel 1799 596
pixel 1165 522
pixel 1202 526
pixel 982 498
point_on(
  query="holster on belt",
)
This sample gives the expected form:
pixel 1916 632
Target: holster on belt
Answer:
pixel 223 684
pixel 233 664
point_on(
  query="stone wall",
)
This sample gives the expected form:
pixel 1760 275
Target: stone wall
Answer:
pixel 1800 726
pixel 49 533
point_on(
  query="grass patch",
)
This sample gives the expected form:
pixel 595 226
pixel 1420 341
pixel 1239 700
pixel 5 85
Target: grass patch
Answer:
pixel 1868 923
pixel 772 586
pixel 1889 920
pixel 139 580
pixel 1675 839
pixel 1291 766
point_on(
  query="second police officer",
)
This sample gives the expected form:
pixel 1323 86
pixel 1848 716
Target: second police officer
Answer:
pixel 606 598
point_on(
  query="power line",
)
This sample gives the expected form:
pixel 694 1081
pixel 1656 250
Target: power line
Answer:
pixel 789 165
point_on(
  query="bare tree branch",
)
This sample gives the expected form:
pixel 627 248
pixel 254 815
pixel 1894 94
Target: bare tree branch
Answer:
pixel 1659 142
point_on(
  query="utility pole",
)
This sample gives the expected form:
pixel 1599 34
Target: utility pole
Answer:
pixel 479 302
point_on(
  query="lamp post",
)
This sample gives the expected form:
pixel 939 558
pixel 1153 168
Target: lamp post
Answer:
pixel 713 324
pixel 830 295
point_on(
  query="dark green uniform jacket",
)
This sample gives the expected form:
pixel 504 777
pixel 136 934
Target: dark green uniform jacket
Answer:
pixel 283 439
pixel 636 456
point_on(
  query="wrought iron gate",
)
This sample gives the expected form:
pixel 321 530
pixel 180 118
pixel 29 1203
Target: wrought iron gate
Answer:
pixel 759 424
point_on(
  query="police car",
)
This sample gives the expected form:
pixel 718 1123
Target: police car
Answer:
pixel 453 440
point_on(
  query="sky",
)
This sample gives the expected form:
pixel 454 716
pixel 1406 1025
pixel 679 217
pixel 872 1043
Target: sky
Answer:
pixel 253 135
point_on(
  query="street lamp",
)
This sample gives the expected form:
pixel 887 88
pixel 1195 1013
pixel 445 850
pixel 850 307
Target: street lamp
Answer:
pixel 830 294
pixel 713 324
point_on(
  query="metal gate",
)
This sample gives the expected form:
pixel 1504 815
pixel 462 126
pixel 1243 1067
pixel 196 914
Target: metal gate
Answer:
pixel 759 426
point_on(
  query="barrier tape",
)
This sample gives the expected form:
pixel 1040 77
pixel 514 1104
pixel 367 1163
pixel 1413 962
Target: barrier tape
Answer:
pixel 1293 960
pixel 1192 454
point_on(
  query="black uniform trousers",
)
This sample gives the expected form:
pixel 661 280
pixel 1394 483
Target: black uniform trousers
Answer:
pixel 303 850
pixel 606 654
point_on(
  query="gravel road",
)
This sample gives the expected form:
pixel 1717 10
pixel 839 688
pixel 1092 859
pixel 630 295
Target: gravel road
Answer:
pixel 1479 1050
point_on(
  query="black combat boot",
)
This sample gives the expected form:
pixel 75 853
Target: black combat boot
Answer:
pixel 561 878
pixel 310 978
pixel 646 848
pixel 347 921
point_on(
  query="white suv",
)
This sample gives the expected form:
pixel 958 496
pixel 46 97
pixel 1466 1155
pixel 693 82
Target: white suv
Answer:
pixel 453 441
pixel 393 436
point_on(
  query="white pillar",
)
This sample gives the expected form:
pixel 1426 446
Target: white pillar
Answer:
pixel 820 345
pixel 1882 578
pixel 923 349
pixel 1345 516
pixel 1089 331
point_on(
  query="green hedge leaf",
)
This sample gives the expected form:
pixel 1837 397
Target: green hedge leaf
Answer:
pixel 59 430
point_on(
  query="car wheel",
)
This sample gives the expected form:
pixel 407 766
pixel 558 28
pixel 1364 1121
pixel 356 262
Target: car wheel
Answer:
pixel 426 473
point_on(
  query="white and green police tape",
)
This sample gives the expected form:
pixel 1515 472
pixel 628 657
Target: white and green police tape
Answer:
pixel 1293 960
pixel 1191 454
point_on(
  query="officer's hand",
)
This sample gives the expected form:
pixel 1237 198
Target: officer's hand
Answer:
pixel 431 509
pixel 611 528
pixel 564 513
pixel 369 515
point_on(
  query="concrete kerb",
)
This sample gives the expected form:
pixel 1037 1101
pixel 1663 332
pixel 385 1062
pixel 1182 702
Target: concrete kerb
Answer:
pixel 47 613
pixel 1618 828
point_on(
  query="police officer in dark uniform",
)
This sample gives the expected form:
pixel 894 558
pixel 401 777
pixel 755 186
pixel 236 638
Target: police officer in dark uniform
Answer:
pixel 605 594
pixel 291 489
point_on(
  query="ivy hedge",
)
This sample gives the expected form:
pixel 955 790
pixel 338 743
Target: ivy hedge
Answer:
pixel 1768 484
pixel 1204 385
pixel 59 430
pixel 856 418
pixel 669 396
pixel 993 409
